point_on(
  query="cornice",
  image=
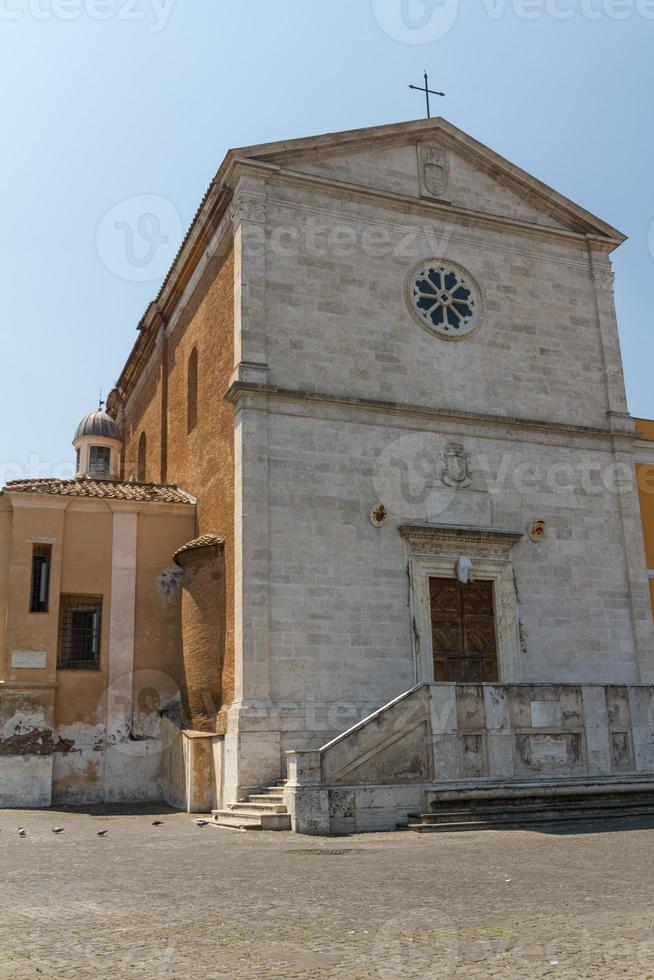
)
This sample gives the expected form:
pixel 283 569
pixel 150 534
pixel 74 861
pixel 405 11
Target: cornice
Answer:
pixel 450 137
pixel 44 501
pixel 468 239
pixel 16 685
pixel 37 501
pixel 480 541
pixel 159 313
pixel 441 210
pixel 240 389
pixel 644 452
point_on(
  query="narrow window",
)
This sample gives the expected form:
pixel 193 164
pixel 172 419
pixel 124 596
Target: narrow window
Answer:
pixel 141 466
pixel 99 461
pixel 80 631
pixel 78 460
pixel 40 591
pixel 192 391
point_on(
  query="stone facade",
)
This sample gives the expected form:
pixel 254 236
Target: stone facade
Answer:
pixel 333 400
pixel 345 453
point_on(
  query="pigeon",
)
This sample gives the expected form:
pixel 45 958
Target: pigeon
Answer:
pixel 57 830
pixel 102 833
pixel 201 823
pixel 21 832
pixel 157 823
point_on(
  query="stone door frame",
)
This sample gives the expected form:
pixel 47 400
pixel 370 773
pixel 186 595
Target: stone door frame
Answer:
pixel 434 553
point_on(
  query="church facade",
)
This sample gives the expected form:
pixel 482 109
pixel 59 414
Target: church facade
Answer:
pixel 384 370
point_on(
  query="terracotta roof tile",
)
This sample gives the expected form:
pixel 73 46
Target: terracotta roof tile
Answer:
pixel 103 490
pixel 206 541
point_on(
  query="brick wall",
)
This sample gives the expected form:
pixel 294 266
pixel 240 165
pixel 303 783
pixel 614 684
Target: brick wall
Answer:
pixel 200 461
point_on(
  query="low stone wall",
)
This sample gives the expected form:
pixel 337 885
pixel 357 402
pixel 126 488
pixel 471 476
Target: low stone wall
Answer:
pixel 448 735
pixel 192 769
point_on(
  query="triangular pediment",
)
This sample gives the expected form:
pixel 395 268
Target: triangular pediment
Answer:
pixel 432 160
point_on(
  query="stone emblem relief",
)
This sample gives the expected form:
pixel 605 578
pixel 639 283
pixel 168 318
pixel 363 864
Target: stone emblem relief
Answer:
pixel 456 469
pixel 378 515
pixel 249 207
pixel 434 170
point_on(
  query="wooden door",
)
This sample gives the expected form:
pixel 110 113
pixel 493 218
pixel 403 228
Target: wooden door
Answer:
pixel 463 631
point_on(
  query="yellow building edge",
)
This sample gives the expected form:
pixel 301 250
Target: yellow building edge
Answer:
pixel 645 472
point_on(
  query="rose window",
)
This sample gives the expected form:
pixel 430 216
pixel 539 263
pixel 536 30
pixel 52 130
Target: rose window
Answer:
pixel 446 300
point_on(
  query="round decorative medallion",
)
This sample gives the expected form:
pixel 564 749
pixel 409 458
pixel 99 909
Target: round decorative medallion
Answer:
pixel 378 515
pixel 444 299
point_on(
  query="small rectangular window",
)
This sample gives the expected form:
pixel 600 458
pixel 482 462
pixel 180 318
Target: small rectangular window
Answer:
pixel 80 632
pixel 40 589
pixel 99 461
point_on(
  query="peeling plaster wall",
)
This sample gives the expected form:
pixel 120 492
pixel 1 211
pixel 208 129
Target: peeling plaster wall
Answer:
pixel 25 723
pixel 25 782
pixel 54 743
pixel 26 748
pixel 78 764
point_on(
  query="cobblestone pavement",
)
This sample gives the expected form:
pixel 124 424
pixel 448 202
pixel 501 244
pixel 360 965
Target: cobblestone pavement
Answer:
pixel 177 901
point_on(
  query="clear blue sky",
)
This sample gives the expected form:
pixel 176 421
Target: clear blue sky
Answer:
pixel 146 101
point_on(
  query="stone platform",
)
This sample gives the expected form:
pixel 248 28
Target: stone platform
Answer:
pixel 439 738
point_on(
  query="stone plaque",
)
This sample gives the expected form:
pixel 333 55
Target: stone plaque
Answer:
pixel 467 507
pixel 549 748
pixel 29 659
pixel 549 753
pixel 621 758
pixel 546 714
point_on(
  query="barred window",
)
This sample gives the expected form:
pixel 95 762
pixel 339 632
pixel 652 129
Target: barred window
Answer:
pixel 40 589
pixel 80 630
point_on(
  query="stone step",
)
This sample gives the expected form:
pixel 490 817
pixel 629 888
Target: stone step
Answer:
pixel 269 806
pixel 225 818
pixel 577 789
pixel 541 816
pixel 511 820
pixel 252 820
pixel 517 809
pixel 266 798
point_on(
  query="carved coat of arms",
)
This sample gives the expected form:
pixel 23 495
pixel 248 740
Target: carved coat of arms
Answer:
pixel 456 470
pixel 434 169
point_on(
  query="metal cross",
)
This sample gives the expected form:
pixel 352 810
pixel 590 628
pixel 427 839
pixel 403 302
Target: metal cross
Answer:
pixel 428 92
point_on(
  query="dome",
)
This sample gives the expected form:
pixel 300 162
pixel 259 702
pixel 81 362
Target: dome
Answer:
pixel 98 424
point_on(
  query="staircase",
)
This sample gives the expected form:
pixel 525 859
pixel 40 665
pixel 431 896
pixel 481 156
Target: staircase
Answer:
pixel 264 810
pixel 509 808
